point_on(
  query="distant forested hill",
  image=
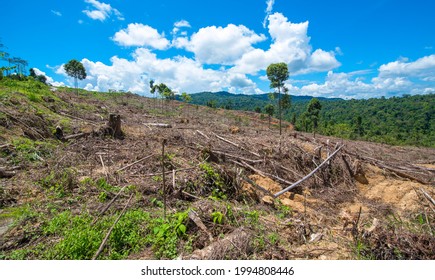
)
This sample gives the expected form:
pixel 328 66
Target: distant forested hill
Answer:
pixel 223 99
pixel 407 120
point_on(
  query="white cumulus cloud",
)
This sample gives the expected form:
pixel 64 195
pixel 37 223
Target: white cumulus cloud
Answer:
pixel 269 8
pixel 180 24
pixel 423 67
pixel 179 73
pixel 57 13
pixel 140 35
pixel 101 11
pixel 290 44
pixel 222 45
pixel 50 80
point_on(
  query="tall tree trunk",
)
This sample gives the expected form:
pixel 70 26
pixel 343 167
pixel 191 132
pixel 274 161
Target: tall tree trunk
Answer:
pixel 279 110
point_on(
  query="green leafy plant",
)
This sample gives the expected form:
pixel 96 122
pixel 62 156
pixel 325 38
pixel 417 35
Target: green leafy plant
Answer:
pixel 157 178
pixel 252 217
pixel 102 197
pixel 154 201
pixel 214 180
pixel 283 210
pixel 217 217
pixel 166 233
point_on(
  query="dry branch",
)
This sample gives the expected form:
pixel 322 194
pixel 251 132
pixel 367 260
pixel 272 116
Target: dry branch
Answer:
pixel 167 172
pixel 309 175
pixel 202 134
pixel 236 244
pixel 28 127
pixel 108 205
pixel 6 174
pixel 131 164
pixel 197 220
pixel 236 145
pixel 102 163
pixel 428 197
pixel 264 174
pixel 80 119
pixel 161 125
pixel 76 136
pixel 100 249
pixel 257 186
pixel 237 157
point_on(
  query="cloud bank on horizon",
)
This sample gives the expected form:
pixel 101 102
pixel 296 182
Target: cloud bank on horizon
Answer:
pixel 234 58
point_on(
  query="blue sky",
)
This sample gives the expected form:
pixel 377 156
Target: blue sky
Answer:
pixel 336 48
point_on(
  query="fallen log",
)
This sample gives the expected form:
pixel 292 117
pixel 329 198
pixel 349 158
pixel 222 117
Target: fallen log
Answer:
pixel 309 175
pixel 399 171
pixel 5 146
pixel 25 125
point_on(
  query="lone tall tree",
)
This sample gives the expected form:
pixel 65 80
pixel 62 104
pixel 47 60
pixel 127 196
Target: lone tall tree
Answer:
pixel 277 73
pixel 313 111
pixel 269 109
pixel 76 70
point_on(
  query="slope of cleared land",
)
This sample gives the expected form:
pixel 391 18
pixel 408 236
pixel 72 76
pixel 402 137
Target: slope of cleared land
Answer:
pixel 95 196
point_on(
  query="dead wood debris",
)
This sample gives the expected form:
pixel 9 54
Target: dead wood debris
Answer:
pixel 236 245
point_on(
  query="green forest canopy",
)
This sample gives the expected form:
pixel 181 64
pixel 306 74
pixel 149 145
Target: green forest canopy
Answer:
pixel 407 120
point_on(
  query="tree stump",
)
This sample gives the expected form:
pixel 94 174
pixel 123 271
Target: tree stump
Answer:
pixel 115 126
pixel 59 134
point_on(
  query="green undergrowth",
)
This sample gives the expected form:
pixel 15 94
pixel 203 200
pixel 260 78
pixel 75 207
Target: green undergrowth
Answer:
pixel 75 237
pixel 27 150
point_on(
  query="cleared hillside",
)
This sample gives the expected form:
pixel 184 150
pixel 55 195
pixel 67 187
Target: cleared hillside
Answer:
pixel 208 195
